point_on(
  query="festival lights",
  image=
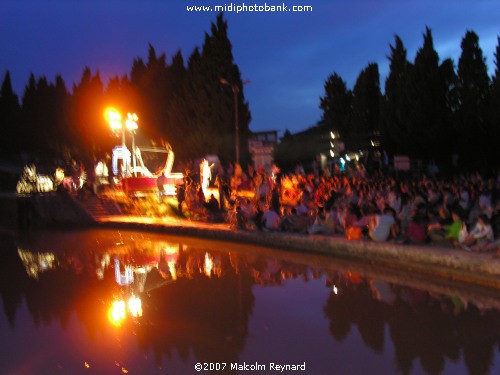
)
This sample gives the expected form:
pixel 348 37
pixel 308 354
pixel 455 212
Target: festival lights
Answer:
pixel 114 118
pixel 118 310
pixel 208 265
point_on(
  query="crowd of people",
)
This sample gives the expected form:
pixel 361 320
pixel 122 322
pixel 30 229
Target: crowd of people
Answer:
pixel 461 212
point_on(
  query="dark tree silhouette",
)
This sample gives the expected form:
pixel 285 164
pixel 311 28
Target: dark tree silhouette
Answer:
pixel 336 106
pixel 397 103
pixel 494 107
pixel 366 104
pixel 9 118
pixel 473 92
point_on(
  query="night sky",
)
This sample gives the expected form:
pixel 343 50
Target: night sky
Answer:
pixel 286 56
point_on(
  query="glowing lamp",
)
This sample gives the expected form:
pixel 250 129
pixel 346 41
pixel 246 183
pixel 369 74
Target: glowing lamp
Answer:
pixel 117 313
pixel 114 118
pixel 131 121
pixel 135 306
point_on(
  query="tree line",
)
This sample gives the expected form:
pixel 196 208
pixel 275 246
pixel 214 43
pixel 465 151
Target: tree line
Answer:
pixel 429 109
pixel 182 103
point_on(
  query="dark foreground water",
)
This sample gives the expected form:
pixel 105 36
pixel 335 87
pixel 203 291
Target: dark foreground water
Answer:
pixel 115 302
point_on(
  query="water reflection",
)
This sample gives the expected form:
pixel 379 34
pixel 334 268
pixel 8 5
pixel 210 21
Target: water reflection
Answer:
pixel 428 327
pixel 188 298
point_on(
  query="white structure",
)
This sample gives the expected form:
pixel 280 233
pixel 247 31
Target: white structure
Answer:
pixel 121 153
pixel 205 175
pixel 125 278
pixel 262 146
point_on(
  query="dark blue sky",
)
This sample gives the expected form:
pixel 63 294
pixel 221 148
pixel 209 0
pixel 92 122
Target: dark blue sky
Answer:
pixel 286 56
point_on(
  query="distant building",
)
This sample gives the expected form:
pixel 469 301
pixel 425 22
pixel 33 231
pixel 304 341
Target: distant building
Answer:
pixel 305 148
pixel 262 146
pixel 319 147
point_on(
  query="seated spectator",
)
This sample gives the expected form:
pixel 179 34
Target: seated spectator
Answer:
pixel 301 208
pixel 436 227
pixel 200 196
pixel 481 236
pixel 485 204
pixel 380 225
pixel 286 221
pixel 294 223
pixel 454 230
pixel 212 204
pixel 319 224
pixel 448 234
pixel 248 209
pixel 351 217
pixel 332 221
pixel 241 220
pixel 270 220
pixel 396 227
pixel 406 212
pixel 416 232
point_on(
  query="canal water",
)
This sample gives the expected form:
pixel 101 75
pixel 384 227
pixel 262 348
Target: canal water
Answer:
pixel 125 302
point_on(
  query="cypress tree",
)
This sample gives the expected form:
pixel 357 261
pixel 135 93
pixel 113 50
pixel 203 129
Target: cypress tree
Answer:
pixel 494 108
pixel 473 87
pixel 396 101
pixel 449 81
pixel 336 106
pixel 211 104
pixel 88 128
pixel 366 104
pixel 176 120
pixel 426 120
pixel 10 133
pixel 29 113
pixel 61 117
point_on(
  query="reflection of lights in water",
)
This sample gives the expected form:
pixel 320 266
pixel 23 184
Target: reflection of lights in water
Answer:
pixel 335 290
pixel 171 254
pixel 171 268
pixel 135 306
pixel 170 249
pixel 125 278
pixel 102 265
pixel 209 264
pixel 36 263
pixel 99 273
pixel 118 311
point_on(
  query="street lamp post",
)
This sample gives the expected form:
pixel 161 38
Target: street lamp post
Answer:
pixel 115 120
pixel 131 124
pixel 235 90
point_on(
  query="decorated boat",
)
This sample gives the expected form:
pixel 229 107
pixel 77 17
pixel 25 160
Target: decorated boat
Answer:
pixel 136 176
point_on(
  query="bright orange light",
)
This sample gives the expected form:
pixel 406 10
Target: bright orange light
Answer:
pixel 209 264
pixel 117 313
pixel 131 121
pixel 113 117
pixel 135 306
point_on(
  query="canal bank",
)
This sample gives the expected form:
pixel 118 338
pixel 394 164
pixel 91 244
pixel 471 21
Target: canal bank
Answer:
pixel 61 210
pixel 450 264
